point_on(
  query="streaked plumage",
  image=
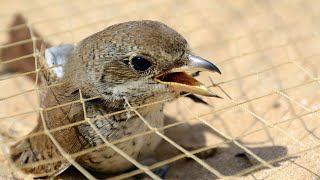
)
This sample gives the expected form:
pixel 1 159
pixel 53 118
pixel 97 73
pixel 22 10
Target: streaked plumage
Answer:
pixel 111 65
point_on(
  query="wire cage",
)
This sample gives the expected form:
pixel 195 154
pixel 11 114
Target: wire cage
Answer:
pixel 265 127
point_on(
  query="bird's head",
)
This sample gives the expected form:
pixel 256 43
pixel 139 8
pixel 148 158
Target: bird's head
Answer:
pixel 144 60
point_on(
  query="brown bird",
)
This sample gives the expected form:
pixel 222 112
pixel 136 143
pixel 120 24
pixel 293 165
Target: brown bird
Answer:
pixel 140 62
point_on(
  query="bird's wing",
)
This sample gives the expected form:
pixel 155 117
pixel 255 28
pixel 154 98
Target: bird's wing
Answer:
pixel 53 61
pixel 36 149
pixel 57 56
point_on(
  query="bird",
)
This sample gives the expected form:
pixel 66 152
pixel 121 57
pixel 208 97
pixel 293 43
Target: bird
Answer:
pixel 139 62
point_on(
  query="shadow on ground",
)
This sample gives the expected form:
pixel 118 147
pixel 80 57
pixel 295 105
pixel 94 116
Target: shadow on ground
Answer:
pixel 228 160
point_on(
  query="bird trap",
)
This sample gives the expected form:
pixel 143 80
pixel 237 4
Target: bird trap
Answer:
pixel 266 126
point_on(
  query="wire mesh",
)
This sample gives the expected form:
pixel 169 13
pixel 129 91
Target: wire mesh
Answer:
pixel 267 125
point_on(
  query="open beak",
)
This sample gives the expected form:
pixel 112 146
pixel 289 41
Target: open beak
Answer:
pixel 181 81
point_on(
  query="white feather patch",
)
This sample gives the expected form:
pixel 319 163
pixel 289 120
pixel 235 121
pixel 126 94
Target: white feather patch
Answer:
pixel 58 55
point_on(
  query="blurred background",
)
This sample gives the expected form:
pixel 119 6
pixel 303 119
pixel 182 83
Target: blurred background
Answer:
pixel 267 126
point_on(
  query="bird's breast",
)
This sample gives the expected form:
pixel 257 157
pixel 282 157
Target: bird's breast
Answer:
pixel 106 159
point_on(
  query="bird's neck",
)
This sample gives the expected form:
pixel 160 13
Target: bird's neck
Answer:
pixel 108 103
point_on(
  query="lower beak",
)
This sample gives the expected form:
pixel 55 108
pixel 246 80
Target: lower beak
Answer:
pixel 181 81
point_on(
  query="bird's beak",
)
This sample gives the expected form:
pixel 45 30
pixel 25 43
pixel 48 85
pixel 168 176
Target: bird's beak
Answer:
pixel 181 81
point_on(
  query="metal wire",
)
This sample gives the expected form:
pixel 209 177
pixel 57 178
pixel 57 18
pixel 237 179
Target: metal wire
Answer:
pixel 299 62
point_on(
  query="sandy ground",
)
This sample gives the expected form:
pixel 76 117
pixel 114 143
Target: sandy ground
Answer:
pixel 266 50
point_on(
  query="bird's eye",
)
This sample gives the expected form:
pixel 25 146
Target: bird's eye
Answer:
pixel 140 63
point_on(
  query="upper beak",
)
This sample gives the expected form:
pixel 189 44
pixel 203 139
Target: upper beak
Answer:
pixel 181 81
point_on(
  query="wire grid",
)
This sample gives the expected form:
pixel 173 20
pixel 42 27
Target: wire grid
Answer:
pixel 298 62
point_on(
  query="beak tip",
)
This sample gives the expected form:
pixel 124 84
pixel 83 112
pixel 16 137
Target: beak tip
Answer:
pixel 216 96
pixel 219 97
pixel 212 94
pixel 202 64
pixel 218 71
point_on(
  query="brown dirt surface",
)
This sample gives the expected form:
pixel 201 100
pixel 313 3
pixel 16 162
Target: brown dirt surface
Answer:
pixel 267 52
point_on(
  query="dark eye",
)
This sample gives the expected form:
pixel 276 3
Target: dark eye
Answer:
pixel 140 63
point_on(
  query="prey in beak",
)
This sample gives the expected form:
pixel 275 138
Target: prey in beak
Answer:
pixel 181 81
